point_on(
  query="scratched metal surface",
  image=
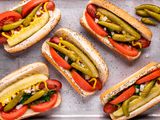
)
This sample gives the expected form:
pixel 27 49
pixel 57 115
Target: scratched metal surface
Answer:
pixel 74 106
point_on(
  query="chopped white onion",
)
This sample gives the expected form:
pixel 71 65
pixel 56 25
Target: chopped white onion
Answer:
pixel 38 13
pixel 104 18
pixel 142 87
pixel 96 20
pixel 137 90
pixel 105 28
pixel 123 32
pixel 6 101
pixel 19 106
pixel 66 58
pixel 112 33
pixel 87 77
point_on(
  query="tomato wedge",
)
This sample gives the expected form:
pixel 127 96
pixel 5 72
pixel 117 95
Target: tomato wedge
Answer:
pixel 14 114
pixel 124 96
pixel 123 48
pixel 9 17
pixel 59 60
pixel 27 8
pixel 109 108
pixel 82 83
pixel 149 77
pixel 94 26
pixel 42 107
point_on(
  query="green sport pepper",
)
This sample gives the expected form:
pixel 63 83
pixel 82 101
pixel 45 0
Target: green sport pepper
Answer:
pixel 123 37
pixel 63 50
pixel 142 13
pixel 111 26
pixel 82 69
pixel 125 105
pixel 13 102
pixel 151 7
pixel 154 15
pixel 120 22
pixel 36 96
pixel 12 26
pixel 29 18
pixel 140 101
pixel 147 88
pixel 82 57
pixel 148 21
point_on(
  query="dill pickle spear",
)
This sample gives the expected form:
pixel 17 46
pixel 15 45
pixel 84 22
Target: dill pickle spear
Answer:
pixel 111 26
pixel 83 57
pixel 142 13
pixel 63 50
pixel 120 22
pixel 138 102
pixel 151 7
pixel 148 21
pixel 82 69
pixel 36 96
pixel 13 102
pixel 29 18
pixel 123 37
pixel 147 88
pixel 125 105
pixel 12 26
pixel 154 15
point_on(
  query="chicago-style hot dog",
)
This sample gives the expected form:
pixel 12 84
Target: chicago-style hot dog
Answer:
pixel 77 60
pixel 134 95
pixel 27 23
pixel 27 92
pixel 116 28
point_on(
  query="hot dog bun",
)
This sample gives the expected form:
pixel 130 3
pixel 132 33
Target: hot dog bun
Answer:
pixel 145 32
pixel 128 82
pixel 53 20
pixel 35 68
pixel 85 46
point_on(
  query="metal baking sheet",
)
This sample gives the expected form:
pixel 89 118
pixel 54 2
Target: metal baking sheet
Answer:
pixel 74 106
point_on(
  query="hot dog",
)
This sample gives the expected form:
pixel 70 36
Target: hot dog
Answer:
pixel 77 60
pixel 27 23
pixel 116 28
pixel 134 95
pixel 28 92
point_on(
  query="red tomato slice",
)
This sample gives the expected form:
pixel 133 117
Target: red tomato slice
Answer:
pixel 149 77
pixel 59 60
pixel 52 85
pixel 14 114
pixel 27 8
pixel 124 48
pixel 42 107
pixel 82 83
pixel 109 108
pixel 50 6
pixel 124 96
pixel 94 26
pixel 9 17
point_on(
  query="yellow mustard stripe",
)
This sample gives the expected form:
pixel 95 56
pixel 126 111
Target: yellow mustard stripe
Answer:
pixel 137 44
pixel 95 82
pixel 7 36
pixel 45 7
